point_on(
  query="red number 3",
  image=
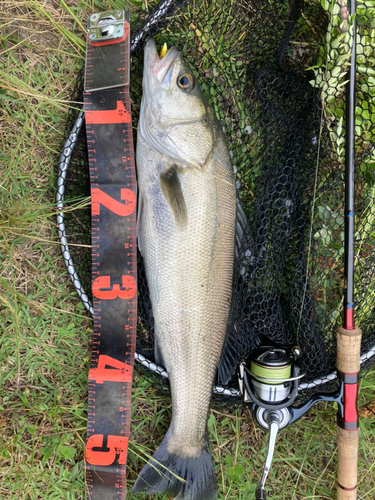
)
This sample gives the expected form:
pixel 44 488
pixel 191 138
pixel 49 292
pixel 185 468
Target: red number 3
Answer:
pixel 126 291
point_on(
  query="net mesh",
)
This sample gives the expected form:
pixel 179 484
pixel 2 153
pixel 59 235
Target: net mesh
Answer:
pixel 274 74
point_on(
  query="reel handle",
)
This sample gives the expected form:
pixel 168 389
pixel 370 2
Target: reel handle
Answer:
pixel 273 419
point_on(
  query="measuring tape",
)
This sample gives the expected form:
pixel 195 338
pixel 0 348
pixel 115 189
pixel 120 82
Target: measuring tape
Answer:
pixel 114 258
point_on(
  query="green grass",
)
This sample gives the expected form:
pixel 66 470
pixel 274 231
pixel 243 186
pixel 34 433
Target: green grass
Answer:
pixel 46 333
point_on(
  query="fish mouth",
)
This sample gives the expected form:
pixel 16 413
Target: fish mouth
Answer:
pixel 160 67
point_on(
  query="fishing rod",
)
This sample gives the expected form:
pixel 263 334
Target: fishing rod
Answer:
pixel 349 336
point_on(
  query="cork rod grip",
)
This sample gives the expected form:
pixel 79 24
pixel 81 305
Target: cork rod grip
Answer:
pixel 347 453
pixel 348 363
pixel 348 350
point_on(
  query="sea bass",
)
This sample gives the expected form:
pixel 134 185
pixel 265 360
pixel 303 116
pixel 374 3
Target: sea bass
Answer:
pixel 186 235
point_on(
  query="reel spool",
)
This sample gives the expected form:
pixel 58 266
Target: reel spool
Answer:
pixel 271 377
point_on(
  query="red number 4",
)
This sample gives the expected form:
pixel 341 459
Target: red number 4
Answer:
pixel 119 371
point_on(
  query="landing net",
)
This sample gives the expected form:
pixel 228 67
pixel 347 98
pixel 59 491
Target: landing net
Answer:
pixel 274 73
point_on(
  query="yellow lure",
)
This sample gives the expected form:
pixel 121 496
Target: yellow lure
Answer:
pixel 163 50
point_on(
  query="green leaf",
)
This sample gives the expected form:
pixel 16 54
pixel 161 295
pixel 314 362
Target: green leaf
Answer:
pixel 248 487
pixel 8 98
pixel 238 469
pixel 231 472
pixel 325 234
pixel 31 429
pixel 211 421
pixel 47 453
pixel 67 452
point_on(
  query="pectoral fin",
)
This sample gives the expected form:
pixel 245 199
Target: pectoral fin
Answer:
pixel 171 188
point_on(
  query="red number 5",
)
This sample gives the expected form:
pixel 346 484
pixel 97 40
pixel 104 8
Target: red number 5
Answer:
pixel 116 445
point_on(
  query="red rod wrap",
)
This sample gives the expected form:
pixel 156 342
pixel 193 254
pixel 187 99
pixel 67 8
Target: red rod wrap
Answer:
pixel 349 319
pixel 350 403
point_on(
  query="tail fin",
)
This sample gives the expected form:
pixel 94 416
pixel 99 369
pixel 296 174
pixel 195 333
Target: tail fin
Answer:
pixel 180 477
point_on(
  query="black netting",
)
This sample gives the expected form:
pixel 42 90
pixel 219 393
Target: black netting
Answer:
pixel 274 73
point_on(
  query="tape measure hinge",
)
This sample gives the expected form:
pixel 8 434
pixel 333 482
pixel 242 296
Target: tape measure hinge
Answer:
pixel 107 51
pixel 107 26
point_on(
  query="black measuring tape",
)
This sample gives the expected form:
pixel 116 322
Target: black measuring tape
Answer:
pixel 114 252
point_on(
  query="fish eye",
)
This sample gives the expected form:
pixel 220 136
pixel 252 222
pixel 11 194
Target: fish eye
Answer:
pixel 186 81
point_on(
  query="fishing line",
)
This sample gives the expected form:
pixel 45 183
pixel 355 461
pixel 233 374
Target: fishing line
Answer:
pixel 312 220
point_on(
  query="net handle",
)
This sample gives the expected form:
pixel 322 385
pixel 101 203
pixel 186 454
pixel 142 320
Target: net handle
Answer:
pixel 348 336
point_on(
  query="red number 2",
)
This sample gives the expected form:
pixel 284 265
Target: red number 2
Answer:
pixel 98 197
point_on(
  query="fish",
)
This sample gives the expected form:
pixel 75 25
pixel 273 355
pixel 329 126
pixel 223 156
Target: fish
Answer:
pixel 186 235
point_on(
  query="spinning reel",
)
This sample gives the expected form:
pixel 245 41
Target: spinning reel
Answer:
pixel 269 382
